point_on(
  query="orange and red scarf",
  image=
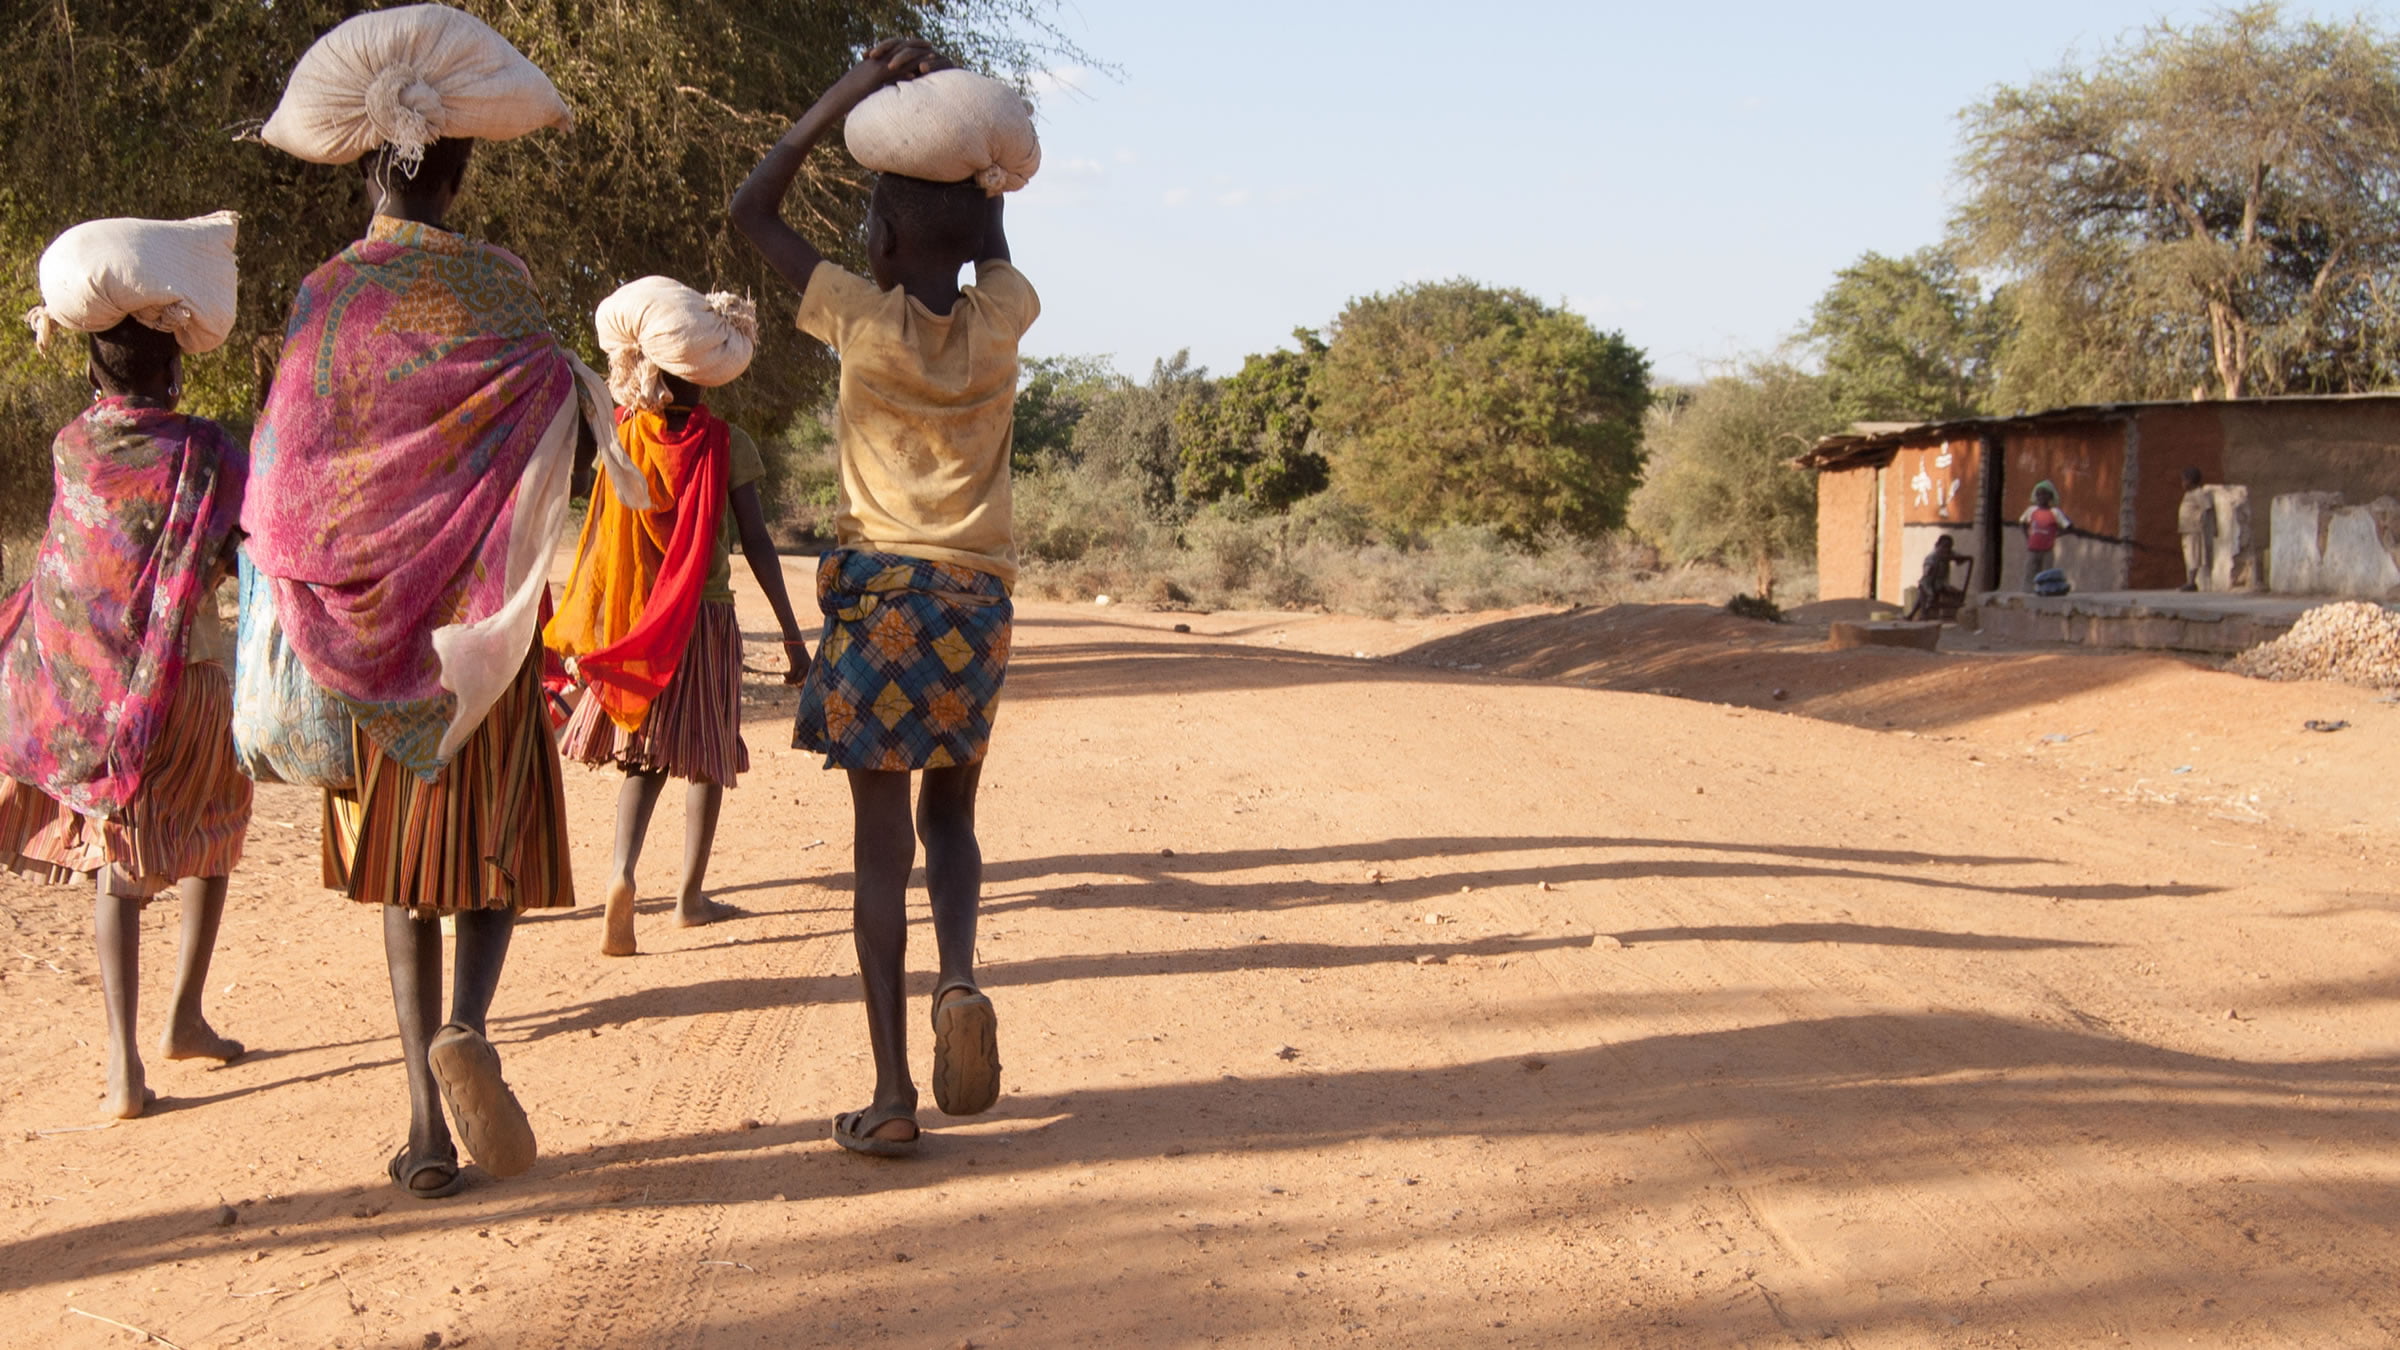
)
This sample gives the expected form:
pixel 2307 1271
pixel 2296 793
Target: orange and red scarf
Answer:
pixel 634 594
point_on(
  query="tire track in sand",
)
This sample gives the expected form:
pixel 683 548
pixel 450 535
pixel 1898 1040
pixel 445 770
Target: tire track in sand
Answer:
pixel 640 1275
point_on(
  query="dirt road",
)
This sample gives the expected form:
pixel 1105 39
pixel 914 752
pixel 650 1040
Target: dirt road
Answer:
pixel 1344 1000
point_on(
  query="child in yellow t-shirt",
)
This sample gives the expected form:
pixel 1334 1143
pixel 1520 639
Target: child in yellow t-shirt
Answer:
pixel 916 595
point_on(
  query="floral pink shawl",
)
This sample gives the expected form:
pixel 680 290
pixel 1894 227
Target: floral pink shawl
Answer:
pixel 418 380
pixel 92 646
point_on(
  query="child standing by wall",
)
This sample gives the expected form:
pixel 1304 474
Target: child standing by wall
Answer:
pixel 116 708
pixel 916 596
pixel 2043 523
pixel 647 622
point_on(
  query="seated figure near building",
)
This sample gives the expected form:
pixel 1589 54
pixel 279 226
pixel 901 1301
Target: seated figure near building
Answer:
pixel 1936 597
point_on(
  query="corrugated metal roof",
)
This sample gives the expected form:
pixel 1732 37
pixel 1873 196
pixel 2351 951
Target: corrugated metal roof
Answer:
pixel 1877 441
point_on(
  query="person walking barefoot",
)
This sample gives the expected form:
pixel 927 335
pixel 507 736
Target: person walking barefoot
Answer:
pixel 647 622
pixel 116 709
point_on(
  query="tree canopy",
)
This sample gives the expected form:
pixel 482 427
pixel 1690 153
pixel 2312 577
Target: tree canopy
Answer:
pixel 1908 339
pixel 2213 208
pixel 1247 438
pixel 1455 403
pixel 1053 394
pixel 1127 433
pixel 150 110
pixel 1720 483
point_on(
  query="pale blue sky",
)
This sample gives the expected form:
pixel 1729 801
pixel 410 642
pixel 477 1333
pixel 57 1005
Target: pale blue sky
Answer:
pixel 1692 174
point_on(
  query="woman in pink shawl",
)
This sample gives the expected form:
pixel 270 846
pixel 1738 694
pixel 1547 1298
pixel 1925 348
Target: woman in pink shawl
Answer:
pixel 117 739
pixel 412 472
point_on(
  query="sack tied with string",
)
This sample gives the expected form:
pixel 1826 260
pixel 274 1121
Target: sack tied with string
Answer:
pixel 659 324
pixel 406 78
pixel 176 276
pixel 947 127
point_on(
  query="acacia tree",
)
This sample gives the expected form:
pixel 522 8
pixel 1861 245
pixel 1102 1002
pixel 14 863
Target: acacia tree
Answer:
pixel 2215 207
pixel 1454 403
pixel 1128 432
pixel 121 108
pixel 1720 484
pixel 1053 394
pixel 1248 437
pixel 1908 339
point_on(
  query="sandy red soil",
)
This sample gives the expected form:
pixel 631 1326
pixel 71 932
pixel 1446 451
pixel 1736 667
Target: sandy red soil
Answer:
pixel 1350 995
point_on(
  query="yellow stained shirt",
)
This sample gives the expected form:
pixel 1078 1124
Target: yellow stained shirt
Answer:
pixel 928 413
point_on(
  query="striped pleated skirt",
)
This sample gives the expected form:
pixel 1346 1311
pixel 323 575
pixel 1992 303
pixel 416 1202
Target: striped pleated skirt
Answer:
pixel 694 730
pixel 188 820
pixel 489 832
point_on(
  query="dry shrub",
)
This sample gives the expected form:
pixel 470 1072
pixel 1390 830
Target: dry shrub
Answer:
pixel 1082 535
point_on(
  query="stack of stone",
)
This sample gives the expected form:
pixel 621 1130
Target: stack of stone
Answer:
pixel 2352 642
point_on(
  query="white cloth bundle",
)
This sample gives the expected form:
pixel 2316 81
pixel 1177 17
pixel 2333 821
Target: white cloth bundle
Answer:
pixel 177 276
pixel 658 323
pixel 405 78
pixel 948 127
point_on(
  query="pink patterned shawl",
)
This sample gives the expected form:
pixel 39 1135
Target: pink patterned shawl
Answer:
pixel 92 647
pixel 420 389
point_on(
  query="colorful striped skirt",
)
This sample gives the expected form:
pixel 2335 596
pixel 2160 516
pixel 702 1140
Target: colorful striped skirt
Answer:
pixel 188 820
pixel 908 674
pixel 489 832
pixel 694 730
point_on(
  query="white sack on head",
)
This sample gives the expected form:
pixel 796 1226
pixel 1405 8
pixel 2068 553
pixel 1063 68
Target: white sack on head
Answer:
pixel 658 323
pixel 177 276
pixel 406 78
pixel 949 126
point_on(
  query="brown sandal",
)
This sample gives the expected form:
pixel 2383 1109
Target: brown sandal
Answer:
pixel 855 1131
pixel 966 1051
pixel 490 1121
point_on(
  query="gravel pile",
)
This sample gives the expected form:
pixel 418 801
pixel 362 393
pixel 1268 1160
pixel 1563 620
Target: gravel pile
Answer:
pixel 2353 642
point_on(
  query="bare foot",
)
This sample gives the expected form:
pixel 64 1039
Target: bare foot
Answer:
pixel 127 1096
pixel 617 937
pixel 702 910
pixel 199 1040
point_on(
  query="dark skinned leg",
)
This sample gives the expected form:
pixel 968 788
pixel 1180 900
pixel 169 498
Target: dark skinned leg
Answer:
pixel 883 850
pixel 635 801
pixel 188 1034
pixel 953 865
pixel 117 928
pixel 412 945
pixel 701 806
pixel 483 937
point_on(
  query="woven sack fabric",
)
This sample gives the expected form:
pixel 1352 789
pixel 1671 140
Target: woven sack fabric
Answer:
pixel 177 276
pixel 405 78
pixel 950 126
pixel 658 323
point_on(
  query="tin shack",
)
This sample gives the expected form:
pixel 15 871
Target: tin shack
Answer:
pixel 1885 491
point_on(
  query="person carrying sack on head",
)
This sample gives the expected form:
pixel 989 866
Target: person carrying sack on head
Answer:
pixel 647 624
pixel 116 710
pixel 414 463
pixel 916 595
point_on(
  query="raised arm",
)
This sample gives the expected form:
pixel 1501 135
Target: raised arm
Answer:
pixel 757 208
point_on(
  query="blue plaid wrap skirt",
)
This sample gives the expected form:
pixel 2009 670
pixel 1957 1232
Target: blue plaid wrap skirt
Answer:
pixel 908 673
